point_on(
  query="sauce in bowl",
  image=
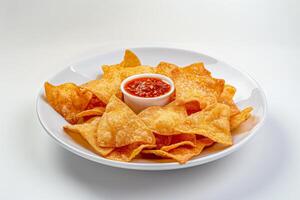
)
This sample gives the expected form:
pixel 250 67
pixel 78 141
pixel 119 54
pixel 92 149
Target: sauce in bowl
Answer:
pixel 147 87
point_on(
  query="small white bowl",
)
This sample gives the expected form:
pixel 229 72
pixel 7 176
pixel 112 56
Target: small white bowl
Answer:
pixel 137 103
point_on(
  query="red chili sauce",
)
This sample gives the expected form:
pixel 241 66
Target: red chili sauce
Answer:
pixel 147 87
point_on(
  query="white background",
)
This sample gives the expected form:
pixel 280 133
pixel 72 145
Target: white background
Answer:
pixel 38 38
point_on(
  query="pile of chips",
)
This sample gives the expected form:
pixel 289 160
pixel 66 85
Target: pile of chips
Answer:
pixel 202 112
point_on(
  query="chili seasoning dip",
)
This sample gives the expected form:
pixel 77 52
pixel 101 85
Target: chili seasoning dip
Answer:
pixel 147 87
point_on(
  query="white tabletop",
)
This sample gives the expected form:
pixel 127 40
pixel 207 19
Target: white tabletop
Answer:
pixel 39 38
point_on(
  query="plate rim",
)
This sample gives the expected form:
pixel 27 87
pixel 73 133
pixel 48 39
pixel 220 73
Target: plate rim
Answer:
pixel 155 166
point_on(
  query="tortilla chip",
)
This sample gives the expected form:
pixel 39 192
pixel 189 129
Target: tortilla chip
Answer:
pixel 110 82
pixel 98 111
pixel 88 132
pixel 181 154
pixel 190 87
pixel 208 142
pixel 165 68
pixel 183 137
pixel 126 72
pixel 162 140
pixel 111 70
pixel 226 97
pixel 118 70
pixel 238 119
pixel 120 126
pixel 196 69
pixel 129 152
pixel 212 122
pixel 94 102
pixel 130 59
pixel 180 140
pixel 162 120
pixel 78 139
pixel 67 99
pixel 176 145
pixel 105 87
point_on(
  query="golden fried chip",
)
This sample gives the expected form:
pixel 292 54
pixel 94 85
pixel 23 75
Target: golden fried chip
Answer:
pixel 176 145
pixel 238 119
pixel 95 102
pixel 88 132
pixel 116 70
pixel 226 97
pixel 110 82
pixel 129 152
pixel 162 140
pixel 208 142
pixel 190 87
pixel 67 99
pixel 105 87
pixel 162 120
pixel 183 137
pixel 78 139
pixel 196 69
pixel 97 111
pixel 130 59
pixel 120 126
pixel 111 70
pixel 181 154
pixel 126 72
pixel 212 122
pixel 180 140
pixel 165 68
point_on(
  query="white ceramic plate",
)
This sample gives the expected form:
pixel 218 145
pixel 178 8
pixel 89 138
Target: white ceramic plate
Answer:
pixel 248 93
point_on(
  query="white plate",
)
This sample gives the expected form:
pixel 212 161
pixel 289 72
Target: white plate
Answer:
pixel 248 93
